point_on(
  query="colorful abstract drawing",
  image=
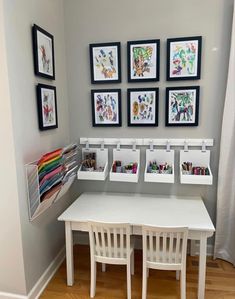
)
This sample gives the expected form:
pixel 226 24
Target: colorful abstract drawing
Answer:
pixel 182 105
pixel 143 60
pixel 184 58
pixel 106 107
pixel 105 62
pixel 43 46
pixel 47 107
pixel 142 107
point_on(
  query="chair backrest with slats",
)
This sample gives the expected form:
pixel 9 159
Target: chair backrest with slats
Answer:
pixel 165 245
pixel 109 240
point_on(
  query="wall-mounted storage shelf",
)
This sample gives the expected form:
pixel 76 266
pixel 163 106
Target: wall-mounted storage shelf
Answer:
pixel 198 158
pixel 101 163
pixel 126 156
pixel 161 157
pixel 49 178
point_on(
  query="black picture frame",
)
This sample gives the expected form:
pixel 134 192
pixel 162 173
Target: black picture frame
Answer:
pixel 44 57
pixel 178 67
pixel 140 74
pixel 142 96
pixel 108 106
pixel 44 118
pixel 108 57
pixel 176 109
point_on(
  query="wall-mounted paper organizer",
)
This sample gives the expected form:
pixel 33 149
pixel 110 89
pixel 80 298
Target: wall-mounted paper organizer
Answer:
pixel 161 157
pixel 198 158
pixel 101 169
pixel 126 157
pixel 49 178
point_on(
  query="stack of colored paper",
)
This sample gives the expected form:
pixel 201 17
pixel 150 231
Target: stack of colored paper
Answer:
pixel 51 173
pixel 55 169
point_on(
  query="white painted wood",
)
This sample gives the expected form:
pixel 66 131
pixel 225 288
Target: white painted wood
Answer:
pixel 139 209
pixel 202 266
pixel 160 156
pixel 110 244
pixel 169 255
pixel 101 160
pixel 146 141
pixel 198 158
pixel 126 156
pixel 69 253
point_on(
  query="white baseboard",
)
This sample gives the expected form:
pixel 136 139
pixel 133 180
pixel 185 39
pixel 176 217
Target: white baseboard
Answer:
pixel 42 282
pixel 11 296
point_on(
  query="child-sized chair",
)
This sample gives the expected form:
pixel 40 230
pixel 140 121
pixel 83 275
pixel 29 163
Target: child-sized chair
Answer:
pixel 110 243
pixel 164 248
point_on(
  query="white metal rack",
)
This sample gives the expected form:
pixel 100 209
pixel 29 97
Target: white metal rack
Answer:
pixel 37 206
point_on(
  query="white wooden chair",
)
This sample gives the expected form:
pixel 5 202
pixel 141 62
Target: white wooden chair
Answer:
pixel 110 243
pixel 164 248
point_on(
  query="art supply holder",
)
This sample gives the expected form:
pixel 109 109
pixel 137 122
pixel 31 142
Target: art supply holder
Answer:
pixel 160 156
pixel 126 156
pixel 200 158
pixel 101 161
pixel 35 205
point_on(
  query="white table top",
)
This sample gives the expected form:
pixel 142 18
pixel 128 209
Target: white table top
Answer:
pixel 138 209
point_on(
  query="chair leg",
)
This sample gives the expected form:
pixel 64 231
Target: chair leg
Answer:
pixel 93 279
pixel 144 281
pixel 147 272
pixel 177 275
pixel 183 283
pixel 132 263
pixel 103 267
pixel 128 279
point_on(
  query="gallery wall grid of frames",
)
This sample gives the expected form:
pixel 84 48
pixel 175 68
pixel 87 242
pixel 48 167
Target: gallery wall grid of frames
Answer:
pixel 159 163
pixel 183 60
pixel 181 107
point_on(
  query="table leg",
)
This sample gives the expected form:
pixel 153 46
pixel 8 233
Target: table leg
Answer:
pixel 202 267
pixel 69 253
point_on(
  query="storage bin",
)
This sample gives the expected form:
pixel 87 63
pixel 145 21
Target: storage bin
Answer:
pixel 101 161
pixel 197 158
pixel 161 157
pixel 126 156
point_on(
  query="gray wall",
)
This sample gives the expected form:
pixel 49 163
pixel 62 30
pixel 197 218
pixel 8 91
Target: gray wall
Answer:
pixel 104 21
pixel 43 238
pixel 11 256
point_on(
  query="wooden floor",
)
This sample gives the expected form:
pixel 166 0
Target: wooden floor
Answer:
pixel 220 280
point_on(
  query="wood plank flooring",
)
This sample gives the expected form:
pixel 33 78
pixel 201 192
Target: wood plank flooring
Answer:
pixel 220 280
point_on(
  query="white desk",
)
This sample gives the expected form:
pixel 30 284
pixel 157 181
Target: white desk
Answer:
pixel 139 209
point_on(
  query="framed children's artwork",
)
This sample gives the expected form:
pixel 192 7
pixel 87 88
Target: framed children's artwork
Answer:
pixel 105 63
pixel 47 107
pixel 106 107
pixel 142 106
pixel 143 59
pixel 182 106
pixel 43 50
pixel 184 58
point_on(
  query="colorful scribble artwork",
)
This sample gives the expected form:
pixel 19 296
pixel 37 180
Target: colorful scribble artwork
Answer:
pixel 143 60
pixel 106 107
pixel 182 106
pixel 43 43
pixel 184 58
pixel 47 107
pixel 142 106
pixel 105 63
